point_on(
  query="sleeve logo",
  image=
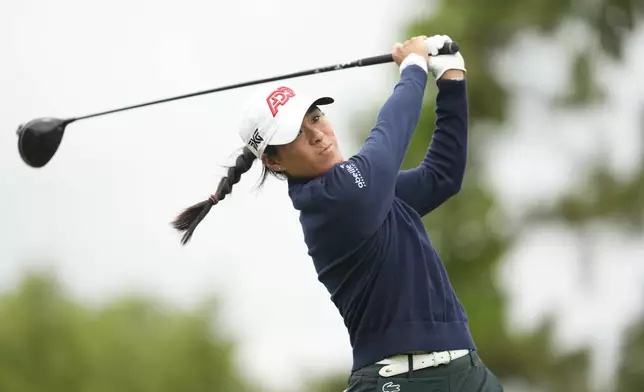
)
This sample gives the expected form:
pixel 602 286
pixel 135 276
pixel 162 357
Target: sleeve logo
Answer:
pixel 279 98
pixel 355 172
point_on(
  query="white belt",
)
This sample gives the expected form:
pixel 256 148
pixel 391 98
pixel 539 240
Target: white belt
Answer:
pixel 400 363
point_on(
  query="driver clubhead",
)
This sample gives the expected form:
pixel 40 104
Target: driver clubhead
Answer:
pixel 39 139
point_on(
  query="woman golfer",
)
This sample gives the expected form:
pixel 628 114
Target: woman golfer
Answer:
pixel 362 224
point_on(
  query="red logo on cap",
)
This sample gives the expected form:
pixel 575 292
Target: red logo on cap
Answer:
pixel 278 98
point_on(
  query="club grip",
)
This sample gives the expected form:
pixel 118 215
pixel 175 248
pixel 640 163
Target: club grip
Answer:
pixel 383 58
pixel 449 48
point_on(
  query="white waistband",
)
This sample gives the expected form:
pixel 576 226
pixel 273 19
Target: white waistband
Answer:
pixel 400 363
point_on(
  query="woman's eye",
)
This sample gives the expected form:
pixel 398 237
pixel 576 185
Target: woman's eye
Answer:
pixel 316 119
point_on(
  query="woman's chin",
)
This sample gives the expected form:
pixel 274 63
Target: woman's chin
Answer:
pixel 330 157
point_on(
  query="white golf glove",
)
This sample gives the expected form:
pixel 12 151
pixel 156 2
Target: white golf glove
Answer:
pixel 439 64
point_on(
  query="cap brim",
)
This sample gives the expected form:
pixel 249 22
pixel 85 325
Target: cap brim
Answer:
pixel 323 101
pixel 290 128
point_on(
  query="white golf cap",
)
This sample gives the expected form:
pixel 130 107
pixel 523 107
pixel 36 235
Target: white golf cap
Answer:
pixel 274 115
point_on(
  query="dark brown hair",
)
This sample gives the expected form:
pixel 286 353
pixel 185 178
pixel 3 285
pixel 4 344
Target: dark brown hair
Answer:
pixel 188 220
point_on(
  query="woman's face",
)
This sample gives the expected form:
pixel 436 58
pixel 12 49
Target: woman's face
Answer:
pixel 312 153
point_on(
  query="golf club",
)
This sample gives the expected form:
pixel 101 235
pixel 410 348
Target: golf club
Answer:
pixel 39 139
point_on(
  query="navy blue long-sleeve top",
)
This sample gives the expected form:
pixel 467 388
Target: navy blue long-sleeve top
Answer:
pixel 362 225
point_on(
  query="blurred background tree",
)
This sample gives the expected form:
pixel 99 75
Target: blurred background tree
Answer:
pixel 472 231
pixel 50 343
pixel 631 369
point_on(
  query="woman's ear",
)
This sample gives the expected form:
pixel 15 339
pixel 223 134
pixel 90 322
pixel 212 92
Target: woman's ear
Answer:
pixel 272 163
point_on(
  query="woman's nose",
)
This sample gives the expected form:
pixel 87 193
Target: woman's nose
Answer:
pixel 315 136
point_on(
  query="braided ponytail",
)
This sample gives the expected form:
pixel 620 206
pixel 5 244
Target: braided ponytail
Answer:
pixel 188 220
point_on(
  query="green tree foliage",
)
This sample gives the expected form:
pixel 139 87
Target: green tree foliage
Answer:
pixel 631 368
pixel 50 343
pixel 471 232
pixel 605 198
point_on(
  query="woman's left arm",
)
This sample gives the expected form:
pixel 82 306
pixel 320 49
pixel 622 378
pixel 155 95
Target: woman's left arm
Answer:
pixel 440 175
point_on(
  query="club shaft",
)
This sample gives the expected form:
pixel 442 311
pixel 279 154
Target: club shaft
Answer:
pixel 358 63
pixel 368 61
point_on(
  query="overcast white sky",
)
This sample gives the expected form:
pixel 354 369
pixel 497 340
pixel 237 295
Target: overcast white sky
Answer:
pixel 99 213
